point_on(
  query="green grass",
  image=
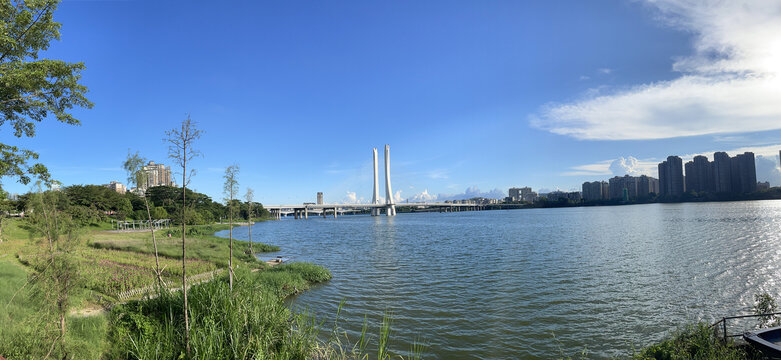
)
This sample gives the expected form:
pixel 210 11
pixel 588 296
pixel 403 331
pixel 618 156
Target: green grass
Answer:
pixel 696 342
pixel 199 246
pixel 251 322
pixel 23 325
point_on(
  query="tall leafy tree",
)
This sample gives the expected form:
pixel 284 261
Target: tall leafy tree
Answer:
pixel 231 187
pixel 134 166
pixel 180 149
pixel 31 88
pixel 250 196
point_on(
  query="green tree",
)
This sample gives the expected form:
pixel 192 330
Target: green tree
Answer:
pixel 231 187
pixel 33 89
pixel 159 213
pixel 58 276
pixel 134 166
pixel 180 149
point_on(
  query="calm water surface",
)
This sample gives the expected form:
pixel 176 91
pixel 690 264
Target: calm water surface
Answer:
pixel 537 283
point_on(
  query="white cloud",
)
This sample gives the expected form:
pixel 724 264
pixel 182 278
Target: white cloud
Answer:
pixel 768 169
pixel 584 78
pixel 626 166
pixel 605 71
pixel 423 197
pixel 600 168
pixel 397 196
pixel 350 198
pixel 730 84
pixel 616 167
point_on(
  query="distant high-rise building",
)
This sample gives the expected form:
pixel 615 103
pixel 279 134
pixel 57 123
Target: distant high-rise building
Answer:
pixel 671 176
pixel 744 173
pixel 647 185
pixel 699 175
pixel 596 190
pixel 319 198
pixel 689 178
pixel 157 175
pixel 722 179
pixel 623 187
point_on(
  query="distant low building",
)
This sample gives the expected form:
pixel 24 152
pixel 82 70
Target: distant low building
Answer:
pixel 521 194
pixel 574 196
pixel 763 185
pixel 116 186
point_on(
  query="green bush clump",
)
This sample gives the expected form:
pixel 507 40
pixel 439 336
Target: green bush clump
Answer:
pixel 199 230
pixel 308 271
pixel 249 323
pixel 696 342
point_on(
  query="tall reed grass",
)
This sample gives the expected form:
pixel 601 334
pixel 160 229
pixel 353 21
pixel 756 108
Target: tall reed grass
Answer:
pixel 251 322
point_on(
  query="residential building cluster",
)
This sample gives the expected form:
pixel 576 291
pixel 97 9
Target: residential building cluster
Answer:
pixel 156 175
pixel 725 174
pixel 474 201
pixel 621 188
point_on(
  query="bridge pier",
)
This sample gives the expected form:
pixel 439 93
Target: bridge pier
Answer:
pixel 334 213
pixel 306 213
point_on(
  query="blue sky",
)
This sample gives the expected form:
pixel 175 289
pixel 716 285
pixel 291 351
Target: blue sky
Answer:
pixel 471 96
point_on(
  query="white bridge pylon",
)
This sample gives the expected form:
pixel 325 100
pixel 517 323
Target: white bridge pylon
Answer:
pixel 390 205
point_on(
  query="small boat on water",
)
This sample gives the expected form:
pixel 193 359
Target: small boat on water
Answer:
pixel 768 341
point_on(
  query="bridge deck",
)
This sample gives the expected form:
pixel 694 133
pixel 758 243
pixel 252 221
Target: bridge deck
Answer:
pixel 358 206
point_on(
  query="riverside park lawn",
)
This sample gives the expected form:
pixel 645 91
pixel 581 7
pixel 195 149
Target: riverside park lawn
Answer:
pixel 108 263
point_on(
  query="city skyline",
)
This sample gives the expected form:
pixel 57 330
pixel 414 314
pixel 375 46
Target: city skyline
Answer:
pixel 529 88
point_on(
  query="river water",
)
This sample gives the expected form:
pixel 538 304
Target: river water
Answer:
pixel 536 283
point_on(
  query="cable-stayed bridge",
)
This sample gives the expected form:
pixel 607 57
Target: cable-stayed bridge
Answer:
pixel 304 210
pixel 375 207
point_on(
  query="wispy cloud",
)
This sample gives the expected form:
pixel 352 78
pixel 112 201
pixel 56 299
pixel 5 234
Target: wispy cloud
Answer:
pixel 437 174
pixel 618 167
pixel 604 71
pixel 730 84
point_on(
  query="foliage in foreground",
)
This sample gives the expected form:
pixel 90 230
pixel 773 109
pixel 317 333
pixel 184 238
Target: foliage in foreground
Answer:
pixel 696 342
pixel 251 322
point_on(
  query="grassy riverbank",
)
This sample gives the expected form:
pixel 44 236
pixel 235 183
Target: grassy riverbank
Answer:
pixel 250 322
pixel 108 263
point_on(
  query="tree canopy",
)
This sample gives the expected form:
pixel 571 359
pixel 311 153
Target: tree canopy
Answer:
pixel 33 89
